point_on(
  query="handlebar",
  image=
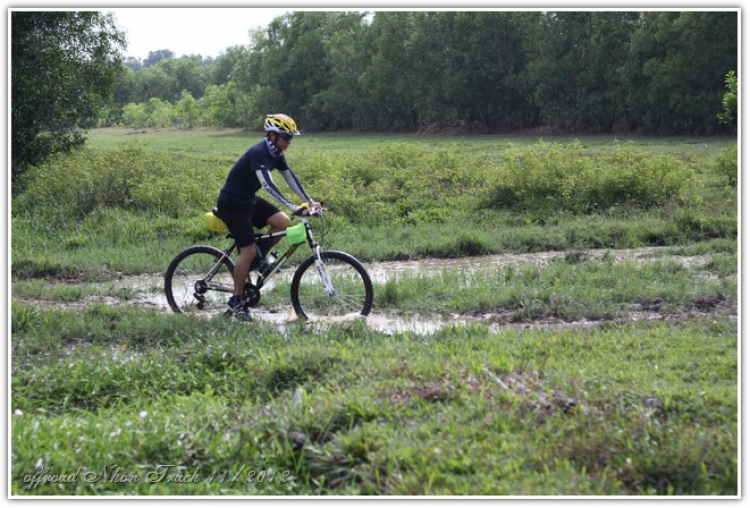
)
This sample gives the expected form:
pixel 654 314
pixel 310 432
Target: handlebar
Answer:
pixel 306 211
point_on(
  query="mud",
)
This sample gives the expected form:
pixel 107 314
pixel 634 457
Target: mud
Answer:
pixel 148 292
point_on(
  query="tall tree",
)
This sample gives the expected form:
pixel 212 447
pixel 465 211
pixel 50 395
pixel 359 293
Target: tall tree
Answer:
pixel 390 92
pixel 337 105
pixel 487 82
pixel 63 66
pixel 223 68
pixel 302 64
pixel 577 68
pixel 154 57
pixel 577 71
pixel 678 63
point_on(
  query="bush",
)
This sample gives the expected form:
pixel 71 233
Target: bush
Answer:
pixel 396 183
pixel 401 182
pixel 563 177
pixel 76 184
pixel 725 165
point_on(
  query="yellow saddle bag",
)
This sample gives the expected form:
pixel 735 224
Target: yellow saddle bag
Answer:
pixel 215 224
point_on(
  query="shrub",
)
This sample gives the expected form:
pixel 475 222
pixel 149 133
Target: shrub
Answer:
pixel 725 165
pixel 396 183
pixel 78 183
pixel 399 182
pixel 563 177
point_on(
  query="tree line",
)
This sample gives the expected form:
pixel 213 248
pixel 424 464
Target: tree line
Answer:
pixel 588 72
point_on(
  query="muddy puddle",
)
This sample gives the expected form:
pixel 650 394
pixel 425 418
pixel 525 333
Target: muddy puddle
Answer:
pixel 147 291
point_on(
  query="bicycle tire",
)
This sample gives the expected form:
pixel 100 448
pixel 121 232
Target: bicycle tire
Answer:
pixel 353 288
pixel 185 274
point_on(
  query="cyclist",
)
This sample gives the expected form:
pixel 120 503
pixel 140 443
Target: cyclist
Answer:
pixel 241 209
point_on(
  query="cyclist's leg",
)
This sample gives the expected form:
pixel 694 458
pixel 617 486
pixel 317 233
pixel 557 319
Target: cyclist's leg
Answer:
pixel 240 224
pixel 279 222
pixel 268 214
pixel 242 268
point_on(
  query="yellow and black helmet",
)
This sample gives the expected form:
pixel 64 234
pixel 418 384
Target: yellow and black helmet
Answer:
pixel 280 123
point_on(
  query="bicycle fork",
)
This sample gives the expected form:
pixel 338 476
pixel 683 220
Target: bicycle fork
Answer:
pixel 325 277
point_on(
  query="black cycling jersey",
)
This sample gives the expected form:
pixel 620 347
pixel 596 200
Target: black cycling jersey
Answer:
pixel 253 171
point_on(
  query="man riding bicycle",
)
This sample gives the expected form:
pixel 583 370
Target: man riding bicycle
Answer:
pixel 241 209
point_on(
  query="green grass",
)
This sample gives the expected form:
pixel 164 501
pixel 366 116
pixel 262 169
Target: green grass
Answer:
pixel 570 289
pixel 133 206
pixel 615 410
pixel 109 242
pixel 67 292
pixel 227 143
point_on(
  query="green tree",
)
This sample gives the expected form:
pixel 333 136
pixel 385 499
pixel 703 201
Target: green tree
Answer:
pixel 159 113
pixel 64 65
pixel 224 68
pixel 577 66
pixel 677 69
pixel 337 105
pixel 577 71
pixel 728 113
pixel 130 87
pixel 159 82
pixel 293 66
pixel 390 92
pixel 483 74
pixel 154 57
pixel 226 106
pixel 190 74
pixel 185 110
pixel 135 115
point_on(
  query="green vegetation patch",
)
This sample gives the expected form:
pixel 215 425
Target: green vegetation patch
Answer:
pixel 570 288
pixel 624 410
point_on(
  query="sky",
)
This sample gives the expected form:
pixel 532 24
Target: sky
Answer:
pixel 208 31
pixel 188 31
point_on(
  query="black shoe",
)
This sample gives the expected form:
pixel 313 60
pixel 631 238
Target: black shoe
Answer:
pixel 238 309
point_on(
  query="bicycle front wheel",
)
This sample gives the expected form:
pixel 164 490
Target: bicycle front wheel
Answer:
pixel 199 282
pixel 338 288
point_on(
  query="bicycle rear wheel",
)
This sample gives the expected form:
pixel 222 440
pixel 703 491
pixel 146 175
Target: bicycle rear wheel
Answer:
pixel 341 288
pixel 198 283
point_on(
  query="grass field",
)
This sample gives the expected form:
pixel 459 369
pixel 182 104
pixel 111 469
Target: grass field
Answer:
pixel 231 143
pixel 577 374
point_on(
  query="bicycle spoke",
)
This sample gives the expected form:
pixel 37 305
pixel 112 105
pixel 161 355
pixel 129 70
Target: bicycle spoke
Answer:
pixel 198 283
pixel 352 290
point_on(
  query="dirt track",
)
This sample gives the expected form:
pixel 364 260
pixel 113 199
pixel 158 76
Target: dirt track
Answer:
pixel 149 291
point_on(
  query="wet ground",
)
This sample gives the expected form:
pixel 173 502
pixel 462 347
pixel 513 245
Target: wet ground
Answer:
pixel 147 291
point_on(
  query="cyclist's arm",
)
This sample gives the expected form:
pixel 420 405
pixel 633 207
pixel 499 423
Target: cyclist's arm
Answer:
pixel 295 185
pixel 264 176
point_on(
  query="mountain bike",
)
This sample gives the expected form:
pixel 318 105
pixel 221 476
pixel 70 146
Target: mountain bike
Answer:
pixel 328 284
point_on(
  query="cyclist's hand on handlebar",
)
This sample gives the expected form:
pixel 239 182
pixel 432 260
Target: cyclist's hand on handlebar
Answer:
pixel 315 208
pixel 308 209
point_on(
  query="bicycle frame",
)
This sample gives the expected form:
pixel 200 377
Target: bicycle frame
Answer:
pixel 277 265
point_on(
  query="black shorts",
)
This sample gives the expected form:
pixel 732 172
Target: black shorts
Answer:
pixel 241 222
